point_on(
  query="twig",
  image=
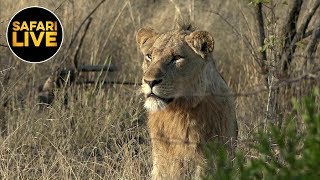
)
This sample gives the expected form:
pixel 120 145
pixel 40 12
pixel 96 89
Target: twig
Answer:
pixel 307 34
pixel 78 30
pixel 75 58
pixel 60 5
pixel 271 103
pixel 113 25
pixel 85 19
pixel 247 42
pixel 5 70
pixel 253 40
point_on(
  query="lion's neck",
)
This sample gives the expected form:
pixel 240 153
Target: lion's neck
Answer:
pixel 211 84
pixel 180 121
pixel 215 84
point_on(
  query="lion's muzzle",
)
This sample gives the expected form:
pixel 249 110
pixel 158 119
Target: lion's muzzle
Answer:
pixel 155 98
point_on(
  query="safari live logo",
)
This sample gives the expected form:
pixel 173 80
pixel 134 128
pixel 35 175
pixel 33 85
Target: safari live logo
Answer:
pixel 34 34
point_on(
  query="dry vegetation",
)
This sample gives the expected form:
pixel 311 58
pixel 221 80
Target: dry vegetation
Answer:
pixel 101 133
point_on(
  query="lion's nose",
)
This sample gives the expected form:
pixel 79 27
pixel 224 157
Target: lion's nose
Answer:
pixel 153 82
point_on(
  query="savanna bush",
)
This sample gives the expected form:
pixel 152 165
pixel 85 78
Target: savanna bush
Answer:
pixel 282 152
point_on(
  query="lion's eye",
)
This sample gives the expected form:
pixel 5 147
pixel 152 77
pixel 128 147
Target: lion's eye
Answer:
pixel 149 57
pixel 176 58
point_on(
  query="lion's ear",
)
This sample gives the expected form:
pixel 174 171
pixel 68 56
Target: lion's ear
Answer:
pixel 201 42
pixel 144 34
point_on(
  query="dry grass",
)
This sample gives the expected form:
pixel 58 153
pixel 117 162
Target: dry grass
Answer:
pixel 96 136
pixel 101 133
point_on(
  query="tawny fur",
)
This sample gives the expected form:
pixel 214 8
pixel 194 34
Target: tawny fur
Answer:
pixel 196 116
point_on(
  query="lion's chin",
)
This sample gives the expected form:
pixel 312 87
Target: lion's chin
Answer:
pixel 156 104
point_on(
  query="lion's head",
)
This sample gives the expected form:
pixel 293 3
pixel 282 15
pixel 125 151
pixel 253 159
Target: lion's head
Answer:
pixel 174 65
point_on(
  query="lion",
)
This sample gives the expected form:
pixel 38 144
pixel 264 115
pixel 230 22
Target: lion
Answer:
pixel 181 85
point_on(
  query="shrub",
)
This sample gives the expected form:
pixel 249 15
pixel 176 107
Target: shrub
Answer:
pixel 283 153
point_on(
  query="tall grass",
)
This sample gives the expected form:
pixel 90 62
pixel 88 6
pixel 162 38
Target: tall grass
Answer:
pixel 99 134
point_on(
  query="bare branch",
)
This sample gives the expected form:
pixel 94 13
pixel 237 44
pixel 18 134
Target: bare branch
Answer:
pixel 257 90
pixel 312 45
pixel 234 29
pixel 306 20
pixel 76 55
pixel 262 35
pixel 277 85
pixel 110 82
pixel 60 5
pixel 289 32
pixel 85 19
pixel 299 35
pixel 78 30
pixel 290 26
pixel 307 34
pixel 301 32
